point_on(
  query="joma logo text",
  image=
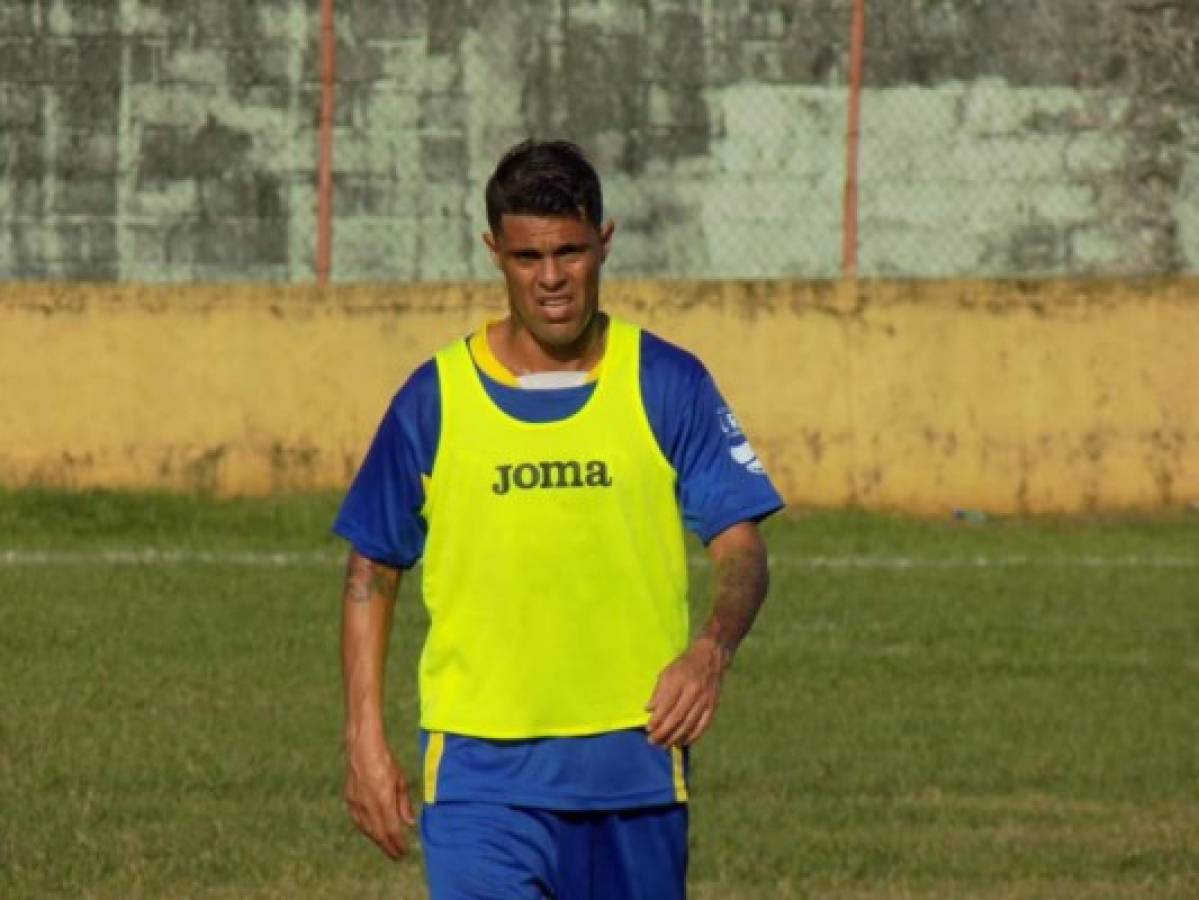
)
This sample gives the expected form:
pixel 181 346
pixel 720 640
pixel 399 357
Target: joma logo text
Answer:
pixel 552 474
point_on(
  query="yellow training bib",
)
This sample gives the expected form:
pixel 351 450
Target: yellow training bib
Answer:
pixel 554 570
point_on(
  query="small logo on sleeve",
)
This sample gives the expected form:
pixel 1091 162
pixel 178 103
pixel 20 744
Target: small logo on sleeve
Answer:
pixel 744 455
pixel 728 422
pixel 739 449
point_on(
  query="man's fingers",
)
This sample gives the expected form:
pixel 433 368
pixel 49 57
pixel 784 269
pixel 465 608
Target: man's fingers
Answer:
pixel 663 723
pixel 663 703
pixel 388 832
pixel 407 810
pixel 682 696
pixel 668 727
pixel 676 736
pixel 665 692
pixel 693 727
pixel 371 826
pixel 358 819
pixel 668 721
pixel 387 845
pixel 379 803
pixel 701 726
pixel 383 822
pixel 397 840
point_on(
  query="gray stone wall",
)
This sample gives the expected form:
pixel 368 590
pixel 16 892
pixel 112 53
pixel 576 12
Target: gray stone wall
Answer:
pixel 172 140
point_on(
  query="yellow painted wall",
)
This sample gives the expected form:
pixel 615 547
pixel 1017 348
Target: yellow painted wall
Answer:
pixel 923 396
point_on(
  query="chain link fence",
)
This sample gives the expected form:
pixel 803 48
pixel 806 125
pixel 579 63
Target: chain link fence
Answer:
pixel 1030 139
pixel 152 140
pixel 1032 143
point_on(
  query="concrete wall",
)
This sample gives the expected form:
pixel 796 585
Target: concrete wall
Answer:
pixel 1006 396
pixel 175 140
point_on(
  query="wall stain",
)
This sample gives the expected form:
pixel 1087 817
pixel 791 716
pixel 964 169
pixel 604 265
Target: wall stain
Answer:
pixel 293 464
pixel 1166 449
pixel 72 462
pixel 945 443
pixel 872 479
pixel 815 444
pixel 202 473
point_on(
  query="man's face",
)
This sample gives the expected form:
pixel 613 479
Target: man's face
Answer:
pixel 552 268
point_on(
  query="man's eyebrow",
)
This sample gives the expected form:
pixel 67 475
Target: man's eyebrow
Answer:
pixel 567 247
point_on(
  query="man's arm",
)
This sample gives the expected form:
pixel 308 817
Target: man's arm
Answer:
pixel 688 690
pixel 376 788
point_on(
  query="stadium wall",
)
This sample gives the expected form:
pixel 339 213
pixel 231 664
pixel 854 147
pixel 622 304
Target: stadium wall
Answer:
pixel 1008 396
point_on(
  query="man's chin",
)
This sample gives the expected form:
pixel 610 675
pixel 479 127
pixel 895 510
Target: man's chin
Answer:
pixel 559 335
pixel 557 338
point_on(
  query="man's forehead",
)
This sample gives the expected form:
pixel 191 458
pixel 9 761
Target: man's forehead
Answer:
pixel 534 229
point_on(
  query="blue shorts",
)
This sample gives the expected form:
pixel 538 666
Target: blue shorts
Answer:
pixel 478 851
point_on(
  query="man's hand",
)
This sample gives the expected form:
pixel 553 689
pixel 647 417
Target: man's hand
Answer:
pixel 377 796
pixel 686 695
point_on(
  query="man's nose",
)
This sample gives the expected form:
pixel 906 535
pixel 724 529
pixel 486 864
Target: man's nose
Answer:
pixel 550 273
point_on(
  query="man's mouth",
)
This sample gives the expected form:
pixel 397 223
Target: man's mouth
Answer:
pixel 555 307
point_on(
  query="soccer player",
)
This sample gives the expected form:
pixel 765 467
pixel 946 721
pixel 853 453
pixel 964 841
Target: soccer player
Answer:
pixel 543 468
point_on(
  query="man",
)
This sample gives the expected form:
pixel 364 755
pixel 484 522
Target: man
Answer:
pixel 543 468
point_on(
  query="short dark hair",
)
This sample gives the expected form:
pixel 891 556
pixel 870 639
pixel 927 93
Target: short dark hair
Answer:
pixel 544 178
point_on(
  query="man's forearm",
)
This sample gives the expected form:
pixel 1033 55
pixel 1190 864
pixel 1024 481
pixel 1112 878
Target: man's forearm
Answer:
pixel 742 578
pixel 688 690
pixel 368 603
pixel 376 788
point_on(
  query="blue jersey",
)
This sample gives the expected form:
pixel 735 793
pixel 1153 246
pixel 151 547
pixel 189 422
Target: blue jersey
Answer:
pixel 720 482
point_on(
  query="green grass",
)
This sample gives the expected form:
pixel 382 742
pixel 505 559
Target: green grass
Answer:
pixel 906 721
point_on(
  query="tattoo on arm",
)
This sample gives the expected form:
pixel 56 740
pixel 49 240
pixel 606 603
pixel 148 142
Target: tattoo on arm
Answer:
pixel 366 579
pixel 742 579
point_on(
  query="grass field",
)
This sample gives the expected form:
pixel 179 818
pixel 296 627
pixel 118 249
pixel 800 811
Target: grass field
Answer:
pixel 927 709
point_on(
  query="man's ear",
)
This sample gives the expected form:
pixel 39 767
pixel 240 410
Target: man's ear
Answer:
pixel 605 236
pixel 493 247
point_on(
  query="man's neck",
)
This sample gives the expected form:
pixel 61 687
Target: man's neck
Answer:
pixel 522 354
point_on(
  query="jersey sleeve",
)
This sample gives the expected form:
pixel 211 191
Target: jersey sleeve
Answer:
pixel 721 481
pixel 381 514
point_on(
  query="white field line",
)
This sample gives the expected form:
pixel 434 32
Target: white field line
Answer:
pixel 151 556
pixel 1128 561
